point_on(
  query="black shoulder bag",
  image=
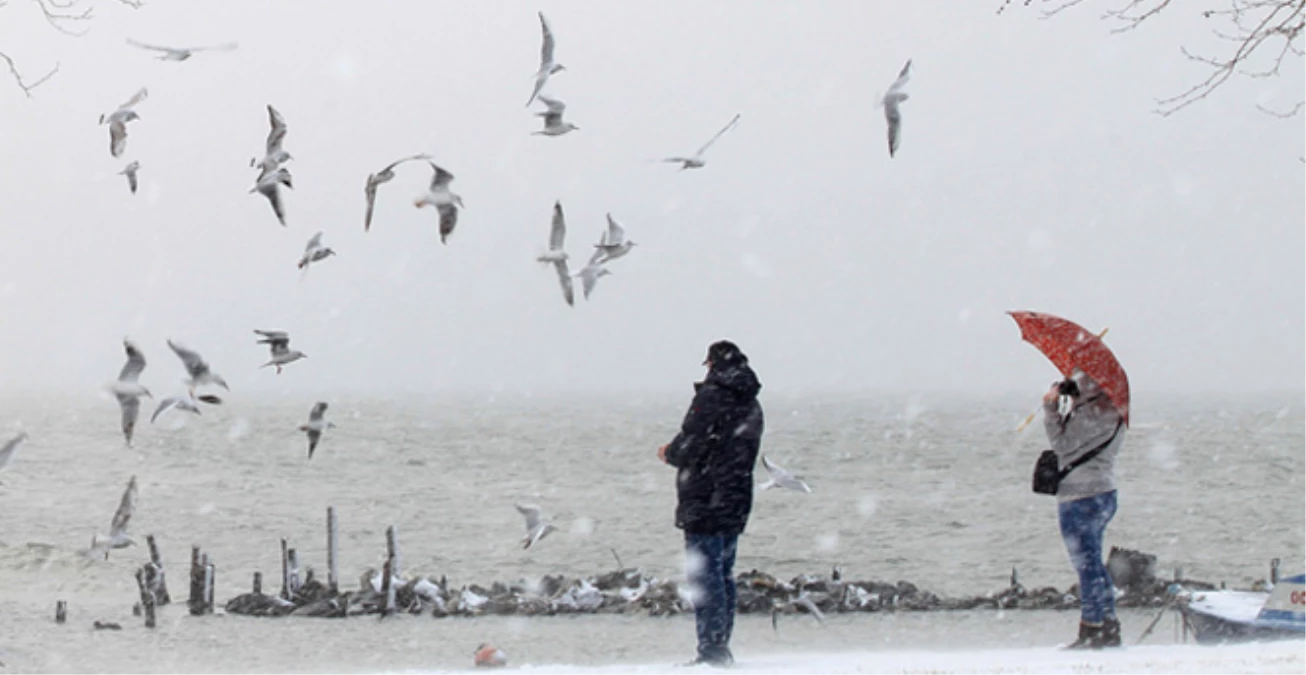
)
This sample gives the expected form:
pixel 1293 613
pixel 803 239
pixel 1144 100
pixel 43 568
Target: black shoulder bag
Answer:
pixel 1047 471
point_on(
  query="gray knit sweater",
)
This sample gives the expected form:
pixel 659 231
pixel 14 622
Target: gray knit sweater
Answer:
pixel 1089 423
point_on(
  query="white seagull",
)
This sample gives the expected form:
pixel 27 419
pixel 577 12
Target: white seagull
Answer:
pixel 589 275
pixel 547 64
pixel 130 172
pixel 612 244
pixel 10 447
pixel 536 527
pixel 128 389
pixel 181 53
pixel 197 369
pixel 782 478
pixel 279 342
pixel 118 120
pixel 269 185
pixel 186 402
pixel 314 251
pixel 273 156
pixel 553 124
pixel 891 99
pixel 697 161
pixel 375 180
pixel 118 528
pixel 316 425
pixel 444 201
pixel 557 255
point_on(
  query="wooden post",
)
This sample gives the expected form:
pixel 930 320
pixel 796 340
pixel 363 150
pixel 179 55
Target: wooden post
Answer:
pixel 160 586
pixel 196 600
pixel 293 558
pixel 285 571
pixel 60 611
pixel 392 550
pixel 333 577
pixel 387 591
pixel 258 582
pixel 210 572
pixel 1274 571
pixel 147 596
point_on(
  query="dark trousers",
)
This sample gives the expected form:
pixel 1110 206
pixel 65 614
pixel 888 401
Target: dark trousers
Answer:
pixel 710 564
pixel 1083 525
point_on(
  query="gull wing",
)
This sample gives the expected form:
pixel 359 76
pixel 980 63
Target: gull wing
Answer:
pixel 142 45
pixel 136 98
pixel 555 106
pixel 164 406
pixel 615 235
pixel 564 278
pixel 397 162
pixel 532 514
pixel 320 409
pixel 724 129
pixel 135 363
pixel 314 436
pixel 131 410
pixel 546 45
pixel 125 509
pixel 224 47
pixel 313 243
pixel 894 120
pixel 558 232
pixel 195 366
pixel 903 76
pixel 448 219
pixel 278 131
pixel 117 137
pixel 10 447
pixel 370 190
pixel 441 179
pixel 777 472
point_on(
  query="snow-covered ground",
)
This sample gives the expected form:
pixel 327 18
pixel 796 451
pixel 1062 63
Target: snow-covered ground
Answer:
pixel 1269 657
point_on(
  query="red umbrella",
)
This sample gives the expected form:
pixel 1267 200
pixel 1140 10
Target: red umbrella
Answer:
pixel 1069 346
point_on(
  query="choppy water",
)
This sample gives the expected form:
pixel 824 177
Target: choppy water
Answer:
pixel 931 489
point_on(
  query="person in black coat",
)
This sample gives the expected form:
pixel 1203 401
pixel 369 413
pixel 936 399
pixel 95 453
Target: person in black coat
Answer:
pixel 714 454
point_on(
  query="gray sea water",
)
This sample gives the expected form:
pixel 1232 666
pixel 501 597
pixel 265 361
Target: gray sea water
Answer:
pixel 928 488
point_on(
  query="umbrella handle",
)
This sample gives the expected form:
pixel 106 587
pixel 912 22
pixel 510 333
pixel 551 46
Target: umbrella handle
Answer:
pixel 1022 425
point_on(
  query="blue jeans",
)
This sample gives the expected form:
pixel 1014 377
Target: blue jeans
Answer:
pixel 1083 525
pixel 711 576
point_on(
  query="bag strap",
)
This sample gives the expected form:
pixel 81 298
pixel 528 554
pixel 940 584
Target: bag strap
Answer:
pixel 1088 456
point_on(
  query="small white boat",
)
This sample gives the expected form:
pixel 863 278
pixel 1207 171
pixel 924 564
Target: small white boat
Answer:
pixel 1241 616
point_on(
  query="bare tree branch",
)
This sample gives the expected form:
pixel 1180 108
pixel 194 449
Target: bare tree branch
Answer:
pixel 1259 26
pixel 18 77
pixel 58 15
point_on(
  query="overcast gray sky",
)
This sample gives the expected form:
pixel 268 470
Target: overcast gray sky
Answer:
pixel 1033 174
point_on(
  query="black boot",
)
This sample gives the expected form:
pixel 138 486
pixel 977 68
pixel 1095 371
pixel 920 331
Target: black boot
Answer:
pixel 1110 635
pixel 1090 636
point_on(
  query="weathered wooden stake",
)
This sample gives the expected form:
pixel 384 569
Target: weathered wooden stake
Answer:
pixel 60 611
pixel 196 600
pixel 160 583
pixel 387 590
pixel 1274 571
pixel 258 582
pixel 285 571
pixel 293 558
pixel 333 577
pixel 392 550
pixel 210 574
pixel 147 596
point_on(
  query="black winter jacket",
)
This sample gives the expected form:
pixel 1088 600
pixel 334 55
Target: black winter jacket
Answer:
pixel 715 452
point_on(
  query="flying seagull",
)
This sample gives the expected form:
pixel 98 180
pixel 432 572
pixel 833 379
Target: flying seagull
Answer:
pixel 130 173
pixel 557 255
pixel 10 447
pixel 118 528
pixel 589 275
pixel 273 156
pixel 118 120
pixel 891 99
pixel 781 478
pixel 547 65
pixel 612 244
pixel 316 425
pixel 188 402
pixel 181 53
pixel 536 528
pixel 279 342
pixel 269 185
pixel 697 161
pixel 314 251
pixel 375 180
pixel 197 369
pixel 444 201
pixel 128 390
pixel 553 124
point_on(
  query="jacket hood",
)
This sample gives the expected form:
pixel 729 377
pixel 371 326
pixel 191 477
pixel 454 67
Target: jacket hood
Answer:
pixel 736 377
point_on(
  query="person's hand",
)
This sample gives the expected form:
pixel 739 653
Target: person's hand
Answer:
pixel 1053 393
pixel 662 454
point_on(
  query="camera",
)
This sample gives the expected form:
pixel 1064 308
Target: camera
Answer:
pixel 1067 387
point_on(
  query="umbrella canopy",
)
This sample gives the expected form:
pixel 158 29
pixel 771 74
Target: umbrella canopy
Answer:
pixel 1069 346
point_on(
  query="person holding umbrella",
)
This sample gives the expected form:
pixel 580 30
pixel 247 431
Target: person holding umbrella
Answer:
pixel 1085 416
